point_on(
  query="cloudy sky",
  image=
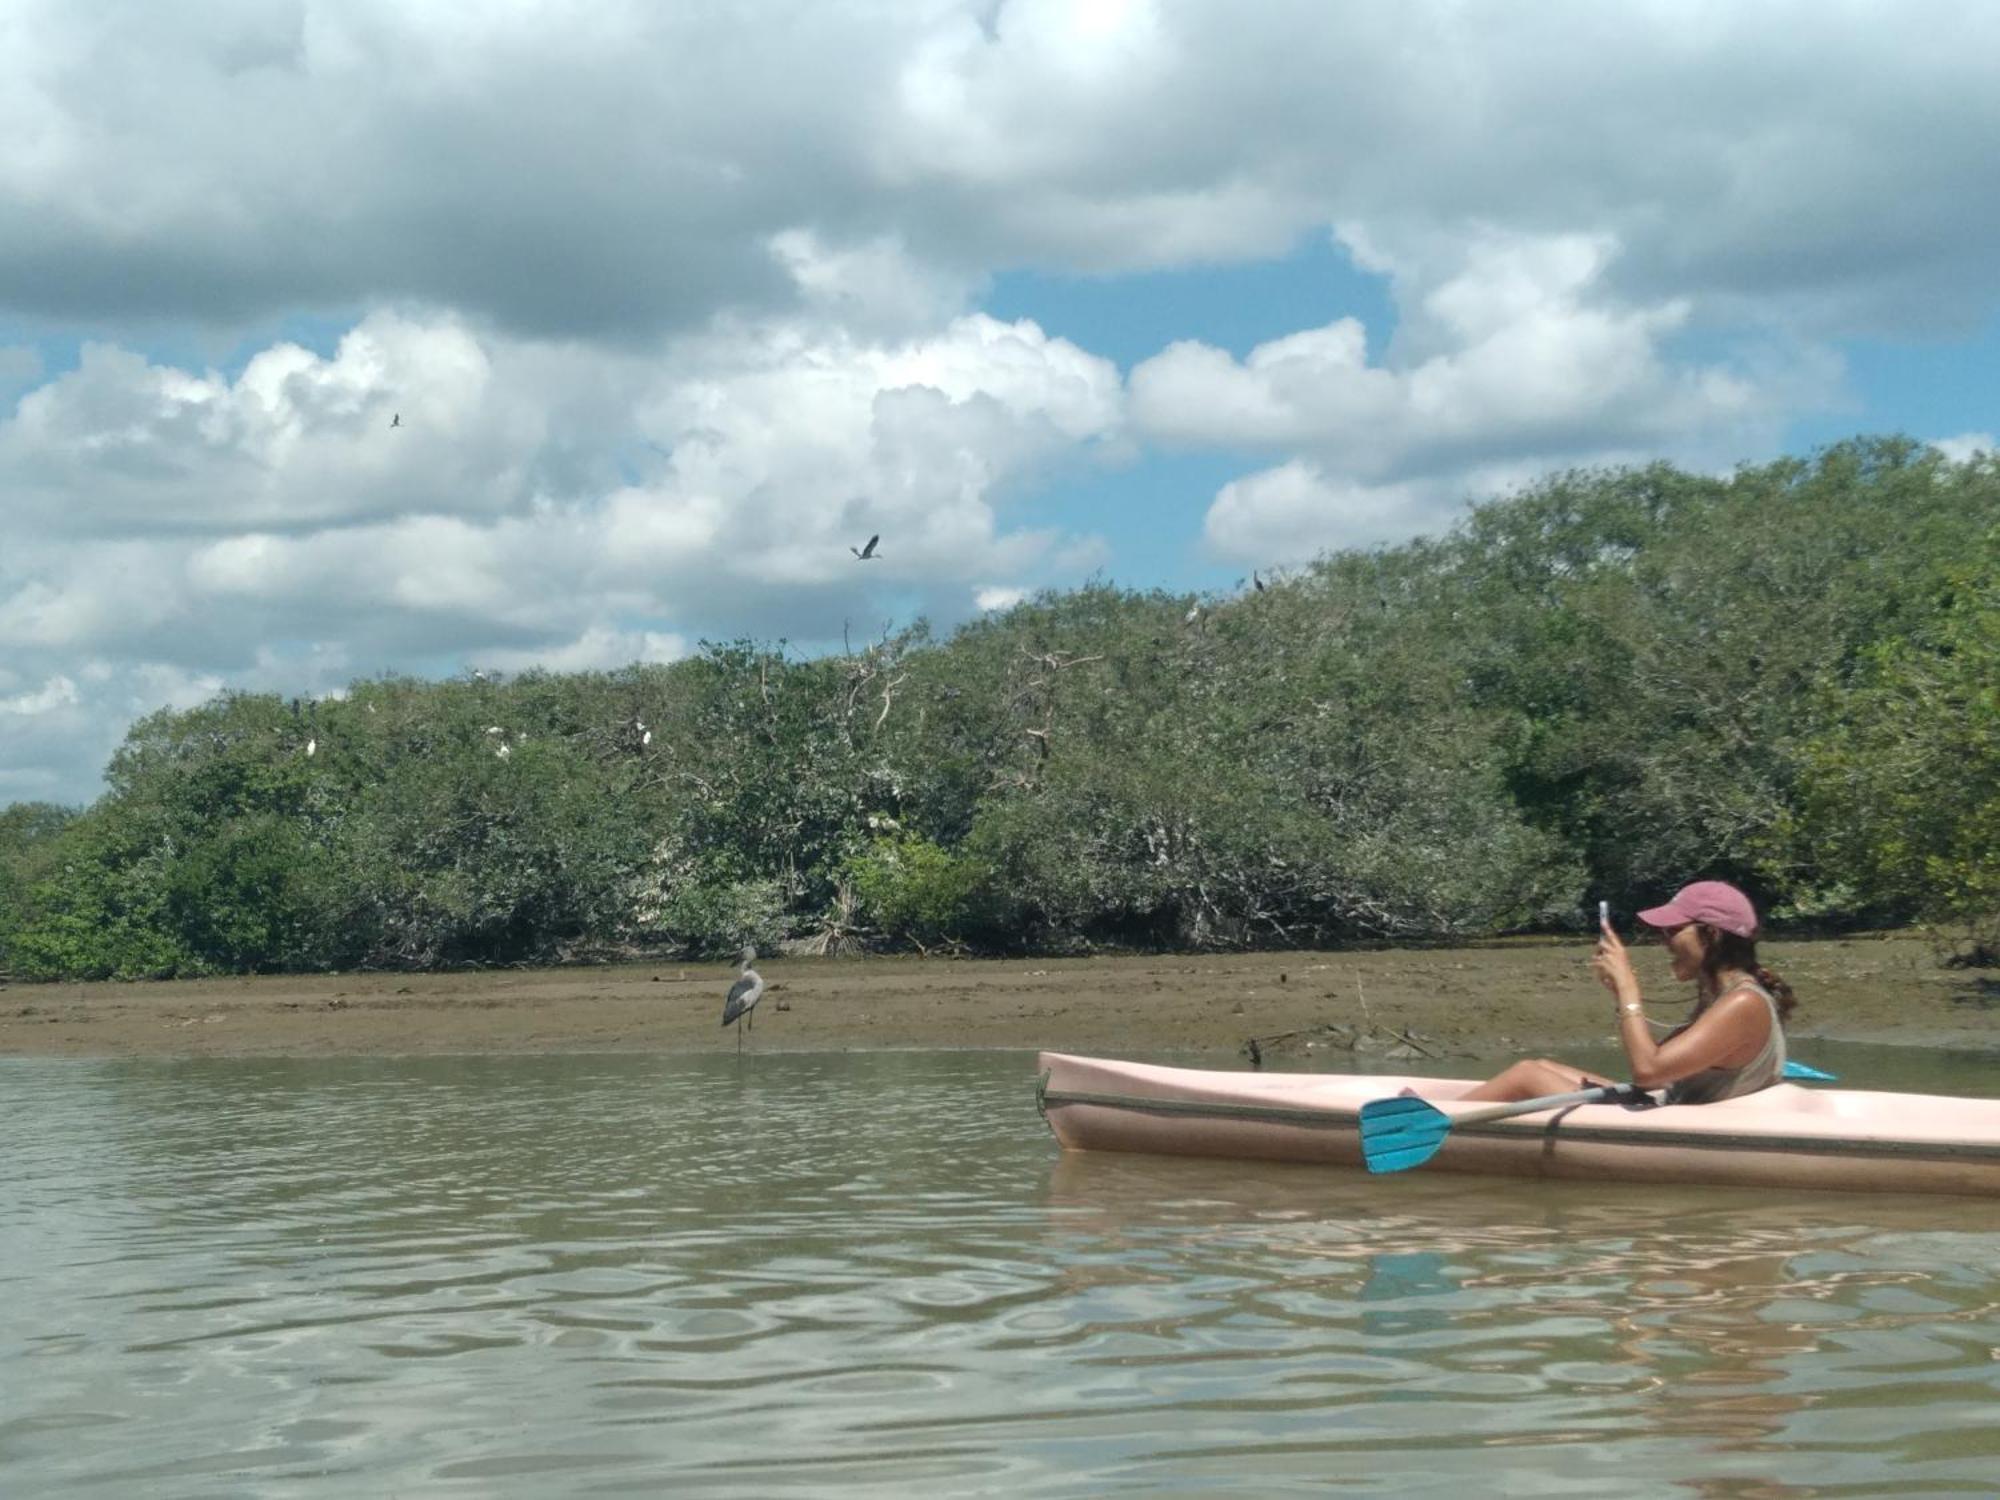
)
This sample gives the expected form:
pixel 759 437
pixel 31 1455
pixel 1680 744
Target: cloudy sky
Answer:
pixel 677 302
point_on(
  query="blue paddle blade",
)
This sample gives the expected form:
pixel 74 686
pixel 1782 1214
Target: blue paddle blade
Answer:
pixel 1397 1134
pixel 1800 1071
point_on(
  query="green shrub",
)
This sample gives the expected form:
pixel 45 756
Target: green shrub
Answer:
pixel 910 889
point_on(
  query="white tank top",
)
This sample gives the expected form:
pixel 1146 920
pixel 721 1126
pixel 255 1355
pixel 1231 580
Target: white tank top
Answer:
pixel 1714 1084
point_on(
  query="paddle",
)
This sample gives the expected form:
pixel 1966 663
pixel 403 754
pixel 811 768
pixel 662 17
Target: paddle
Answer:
pixel 1405 1132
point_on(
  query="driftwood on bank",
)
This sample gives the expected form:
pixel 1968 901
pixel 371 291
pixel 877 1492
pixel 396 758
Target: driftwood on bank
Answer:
pixel 1335 1036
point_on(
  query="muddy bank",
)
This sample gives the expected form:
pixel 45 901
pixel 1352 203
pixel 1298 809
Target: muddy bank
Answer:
pixel 1447 1003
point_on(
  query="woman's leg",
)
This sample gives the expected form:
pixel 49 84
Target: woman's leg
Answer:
pixel 1531 1078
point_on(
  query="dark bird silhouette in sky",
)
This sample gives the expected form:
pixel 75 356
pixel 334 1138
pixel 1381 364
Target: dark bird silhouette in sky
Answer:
pixel 867 553
pixel 1257 581
pixel 396 420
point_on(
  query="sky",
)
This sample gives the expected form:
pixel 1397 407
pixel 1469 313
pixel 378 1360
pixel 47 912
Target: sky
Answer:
pixel 347 338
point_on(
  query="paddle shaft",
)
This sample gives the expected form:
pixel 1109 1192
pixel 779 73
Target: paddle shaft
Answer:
pixel 1591 1096
pixel 1533 1106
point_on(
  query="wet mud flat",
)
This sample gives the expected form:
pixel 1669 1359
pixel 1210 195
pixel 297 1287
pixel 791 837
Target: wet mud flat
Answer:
pixel 1420 1003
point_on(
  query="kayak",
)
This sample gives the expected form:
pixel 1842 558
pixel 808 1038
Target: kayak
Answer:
pixel 1783 1136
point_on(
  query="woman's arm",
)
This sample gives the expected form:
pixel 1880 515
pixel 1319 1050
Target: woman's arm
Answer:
pixel 1726 1035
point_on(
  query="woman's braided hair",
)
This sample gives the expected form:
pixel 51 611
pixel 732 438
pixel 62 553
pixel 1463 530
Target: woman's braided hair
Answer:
pixel 1725 950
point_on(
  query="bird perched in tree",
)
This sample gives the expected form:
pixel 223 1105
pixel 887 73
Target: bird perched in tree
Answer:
pixel 1257 581
pixel 744 994
pixel 867 553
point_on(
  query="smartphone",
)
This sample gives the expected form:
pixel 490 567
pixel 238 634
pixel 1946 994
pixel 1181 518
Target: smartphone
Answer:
pixel 1604 914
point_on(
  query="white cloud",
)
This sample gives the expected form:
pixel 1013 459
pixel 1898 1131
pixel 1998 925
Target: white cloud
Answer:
pixel 875 287
pixel 1296 510
pixel 294 442
pixel 997 597
pixel 675 302
pixel 1314 386
pixel 768 450
pixel 156 685
pixel 57 692
pixel 1521 348
pixel 611 171
pixel 1519 358
pixel 55 738
pixel 596 650
pixel 273 530
pixel 69 598
pixel 1965 447
pixel 783 453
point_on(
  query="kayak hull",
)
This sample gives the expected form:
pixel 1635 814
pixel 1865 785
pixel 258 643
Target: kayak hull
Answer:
pixel 1784 1136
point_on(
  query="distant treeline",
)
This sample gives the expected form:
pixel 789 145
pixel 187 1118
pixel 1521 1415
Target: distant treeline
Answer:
pixel 1603 687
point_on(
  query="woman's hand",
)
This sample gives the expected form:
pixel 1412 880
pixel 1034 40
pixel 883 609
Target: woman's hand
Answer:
pixel 1613 967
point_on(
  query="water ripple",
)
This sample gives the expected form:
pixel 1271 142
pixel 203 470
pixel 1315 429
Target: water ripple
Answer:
pixel 525 1276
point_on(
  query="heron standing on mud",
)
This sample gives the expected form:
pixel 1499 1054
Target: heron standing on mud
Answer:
pixel 744 994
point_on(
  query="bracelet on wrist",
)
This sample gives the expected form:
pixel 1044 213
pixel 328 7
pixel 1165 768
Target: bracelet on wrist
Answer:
pixel 1632 1008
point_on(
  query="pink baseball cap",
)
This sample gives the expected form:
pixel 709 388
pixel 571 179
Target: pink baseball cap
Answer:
pixel 1715 902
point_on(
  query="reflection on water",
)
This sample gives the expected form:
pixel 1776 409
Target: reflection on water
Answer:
pixel 817 1275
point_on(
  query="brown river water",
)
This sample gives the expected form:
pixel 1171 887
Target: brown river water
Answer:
pixel 873 1273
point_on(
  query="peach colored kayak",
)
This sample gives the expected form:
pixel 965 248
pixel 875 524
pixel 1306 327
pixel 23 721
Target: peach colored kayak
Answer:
pixel 1785 1136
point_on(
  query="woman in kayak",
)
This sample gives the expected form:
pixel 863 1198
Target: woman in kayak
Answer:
pixel 1733 1044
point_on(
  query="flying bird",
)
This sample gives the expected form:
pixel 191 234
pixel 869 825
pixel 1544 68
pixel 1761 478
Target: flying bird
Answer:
pixel 396 420
pixel 744 994
pixel 867 553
